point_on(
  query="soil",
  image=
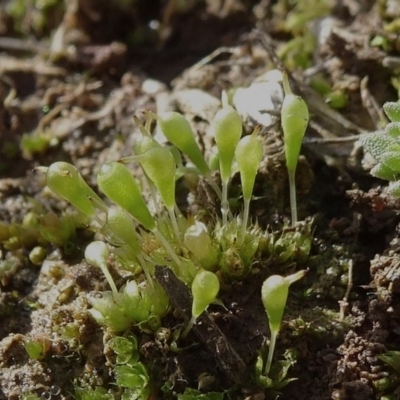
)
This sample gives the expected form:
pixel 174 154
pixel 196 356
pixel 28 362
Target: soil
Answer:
pixel 69 88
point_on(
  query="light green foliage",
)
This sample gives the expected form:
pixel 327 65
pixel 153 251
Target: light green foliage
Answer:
pixel 236 257
pixel 297 52
pixel 34 143
pixel 30 396
pixel 392 110
pixel 126 349
pixel 37 348
pixel 295 17
pixel 193 394
pixel 385 148
pixel 291 245
pixel 134 379
pixel 130 374
pixel 112 311
pixel 92 394
pixel 133 304
pixel 274 293
pixel 304 11
pixel 35 16
pixel 277 377
pixel 58 230
pixel 391 358
pixel 200 255
pixel 335 98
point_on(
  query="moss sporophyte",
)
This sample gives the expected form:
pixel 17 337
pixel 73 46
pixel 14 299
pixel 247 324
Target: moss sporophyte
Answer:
pixel 202 254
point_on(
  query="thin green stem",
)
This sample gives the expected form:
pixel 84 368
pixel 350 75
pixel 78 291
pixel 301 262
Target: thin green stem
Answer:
pixel 224 203
pixel 189 326
pixel 145 270
pixel 109 279
pixel 214 186
pixel 174 223
pixel 293 200
pixel 274 335
pixel 167 246
pixel 245 220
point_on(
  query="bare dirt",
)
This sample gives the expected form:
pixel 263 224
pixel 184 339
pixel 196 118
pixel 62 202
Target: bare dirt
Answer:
pixel 77 93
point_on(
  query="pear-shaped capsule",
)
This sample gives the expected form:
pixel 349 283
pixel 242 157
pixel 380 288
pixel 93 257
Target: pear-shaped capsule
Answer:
pixel 205 288
pixel 117 183
pixel 65 180
pixel 294 121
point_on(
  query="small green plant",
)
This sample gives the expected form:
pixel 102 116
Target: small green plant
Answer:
pixel 203 253
pixel 133 304
pixel 248 167
pixel 131 376
pixel 205 288
pixel 227 130
pixel 274 295
pixel 294 120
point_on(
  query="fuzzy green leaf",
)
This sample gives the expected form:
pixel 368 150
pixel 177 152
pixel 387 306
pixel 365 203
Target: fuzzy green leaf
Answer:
pixel 391 159
pixel 392 110
pixel 377 144
pixel 381 171
pixel 393 129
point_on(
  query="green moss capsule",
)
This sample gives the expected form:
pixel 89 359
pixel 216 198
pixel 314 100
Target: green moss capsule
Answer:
pixel 65 180
pixel 205 288
pixel 159 165
pixel 227 130
pixel 248 155
pixel 178 131
pixel 274 293
pixel 294 120
pixel 118 184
